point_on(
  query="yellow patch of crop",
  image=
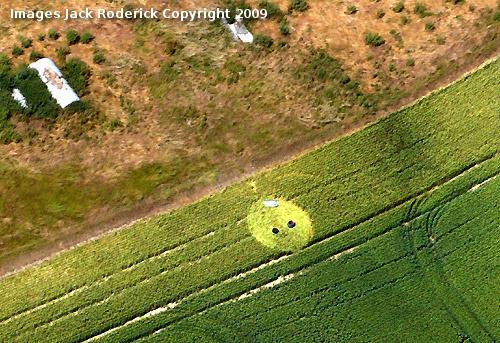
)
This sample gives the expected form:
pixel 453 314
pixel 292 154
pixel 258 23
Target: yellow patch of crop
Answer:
pixel 286 227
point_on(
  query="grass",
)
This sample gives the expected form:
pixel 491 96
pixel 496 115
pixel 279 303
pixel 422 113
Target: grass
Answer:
pixel 262 221
pixel 395 209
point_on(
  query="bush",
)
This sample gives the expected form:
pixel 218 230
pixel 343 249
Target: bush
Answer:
pixel 114 124
pixel 284 27
pixel 61 54
pixel 351 9
pixel 398 7
pixel 298 5
pixel 86 37
pixel 380 13
pixel 40 37
pixel 410 62
pixel 440 40
pixel 17 50
pixel 35 56
pixel 25 42
pixel 53 34
pixel 263 41
pixel 429 26
pixel 397 36
pixel 98 57
pixel 273 10
pixel 373 39
pixel 404 20
pixel 72 36
pixel 77 73
pixel 421 10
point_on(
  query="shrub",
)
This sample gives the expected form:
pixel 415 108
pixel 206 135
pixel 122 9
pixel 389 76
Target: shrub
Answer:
pixel 284 27
pixel 398 7
pixel 380 13
pixel 421 10
pixel 86 37
pixel 373 39
pixel 299 5
pixel 77 73
pixel 114 124
pixel 404 20
pixel 410 62
pixel 72 36
pixel 17 50
pixel 457 2
pixel 273 10
pixel 351 9
pixel 429 26
pixel 496 16
pixel 53 34
pixel 472 7
pixel 25 42
pixel 397 36
pixel 98 57
pixel 61 54
pixel 35 56
pixel 263 41
pixel 440 40
pixel 392 67
pixel 40 37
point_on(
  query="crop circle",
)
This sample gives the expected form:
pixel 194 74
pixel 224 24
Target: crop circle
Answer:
pixel 286 227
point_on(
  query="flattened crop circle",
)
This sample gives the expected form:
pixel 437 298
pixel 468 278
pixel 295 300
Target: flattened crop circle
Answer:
pixel 286 227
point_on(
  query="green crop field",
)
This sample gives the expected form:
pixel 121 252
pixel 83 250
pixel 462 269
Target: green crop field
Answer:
pixel 403 246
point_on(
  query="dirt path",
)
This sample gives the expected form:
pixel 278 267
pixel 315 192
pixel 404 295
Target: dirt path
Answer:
pixel 146 209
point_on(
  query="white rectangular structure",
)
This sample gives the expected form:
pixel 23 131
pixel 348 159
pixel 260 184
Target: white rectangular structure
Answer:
pixel 58 87
pixel 240 31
